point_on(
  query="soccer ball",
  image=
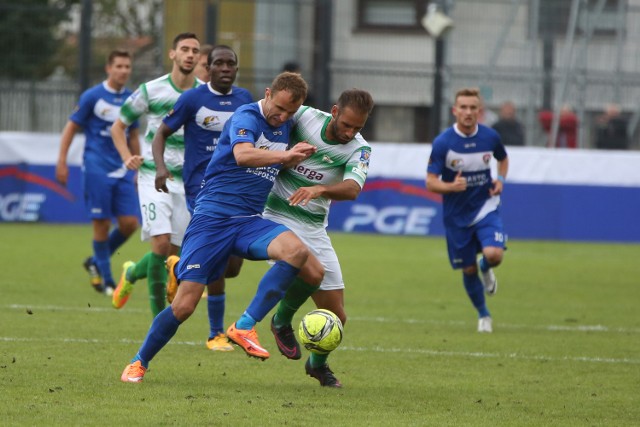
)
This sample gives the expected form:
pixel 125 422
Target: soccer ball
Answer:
pixel 320 331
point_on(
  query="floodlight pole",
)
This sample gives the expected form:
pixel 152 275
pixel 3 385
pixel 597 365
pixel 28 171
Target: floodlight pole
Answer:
pixel 85 45
pixel 438 79
pixel 436 113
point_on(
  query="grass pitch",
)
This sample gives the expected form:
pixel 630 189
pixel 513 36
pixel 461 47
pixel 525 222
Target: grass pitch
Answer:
pixel 565 348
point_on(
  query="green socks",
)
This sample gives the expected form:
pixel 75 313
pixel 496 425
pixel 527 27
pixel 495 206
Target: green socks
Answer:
pixel 296 295
pixel 152 267
pixel 156 282
pixel 317 360
pixel 140 270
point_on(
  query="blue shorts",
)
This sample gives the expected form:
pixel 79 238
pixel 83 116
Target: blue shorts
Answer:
pixel 107 197
pixel 209 242
pixel 464 244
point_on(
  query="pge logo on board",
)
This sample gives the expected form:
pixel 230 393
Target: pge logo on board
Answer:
pixel 390 219
pixel 21 206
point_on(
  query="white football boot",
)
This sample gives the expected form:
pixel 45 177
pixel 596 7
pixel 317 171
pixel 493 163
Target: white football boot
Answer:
pixel 485 324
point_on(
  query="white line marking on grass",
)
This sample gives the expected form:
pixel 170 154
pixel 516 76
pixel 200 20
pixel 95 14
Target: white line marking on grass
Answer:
pixel 577 328
pixel 493 355
pixel 377 319
pixel 377 349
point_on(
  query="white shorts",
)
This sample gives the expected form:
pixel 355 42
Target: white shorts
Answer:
pixel 162 213
pixel 319 243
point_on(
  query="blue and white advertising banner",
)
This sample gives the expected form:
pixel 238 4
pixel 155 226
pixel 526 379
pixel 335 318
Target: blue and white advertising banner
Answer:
pixel 555 194
pixel 29 191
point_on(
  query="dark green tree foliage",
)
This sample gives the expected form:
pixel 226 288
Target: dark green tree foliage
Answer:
pixel 30 36
pixel 129 19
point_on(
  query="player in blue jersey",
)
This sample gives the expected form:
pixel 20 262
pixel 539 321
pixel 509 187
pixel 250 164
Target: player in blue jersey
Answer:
pixel 460 169
pixel 203 113
pixel 109 188
pixel 228 221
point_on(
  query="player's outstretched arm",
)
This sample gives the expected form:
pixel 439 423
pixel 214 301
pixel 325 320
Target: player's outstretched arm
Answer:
pixel 248 156
pixel 157 147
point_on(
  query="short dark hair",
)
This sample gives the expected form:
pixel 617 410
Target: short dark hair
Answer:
pixel 291 66
pixel 205 49
pixel 183 36
pixel 292 83
pixel 358 100
pixel 219 47
pixel 117 53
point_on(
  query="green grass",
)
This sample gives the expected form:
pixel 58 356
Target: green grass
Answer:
pixel 565 350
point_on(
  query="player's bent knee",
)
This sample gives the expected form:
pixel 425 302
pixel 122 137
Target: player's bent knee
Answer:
pixel 182 310
pixel 186 300
pixel 161 245
pixel 493 255
pixel 470 270
pixel 494 259
pixel 312 271
pixel 296 254
pixel 316 275
pixel 128 225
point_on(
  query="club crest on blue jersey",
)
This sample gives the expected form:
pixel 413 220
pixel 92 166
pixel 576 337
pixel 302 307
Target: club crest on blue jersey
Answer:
pixel 211 121
pixel 457 164
pixel 486 158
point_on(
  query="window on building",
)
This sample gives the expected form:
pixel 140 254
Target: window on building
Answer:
pixel 398 123
pixel 554 17
pixel 391 15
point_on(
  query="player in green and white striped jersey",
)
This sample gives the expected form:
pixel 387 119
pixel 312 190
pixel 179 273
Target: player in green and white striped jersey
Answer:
pixel 300 200
pixel 164 215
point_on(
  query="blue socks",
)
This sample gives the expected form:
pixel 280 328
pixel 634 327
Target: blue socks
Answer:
pixel 102 257
pixel 475 290
pixel 102 252
pixel 116 239
pixel 271 289
pixel 215 308
pixel 245 322
pixel 163 328
pixel 484 265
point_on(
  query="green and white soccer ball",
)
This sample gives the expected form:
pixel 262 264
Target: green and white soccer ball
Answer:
pixel 320 331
